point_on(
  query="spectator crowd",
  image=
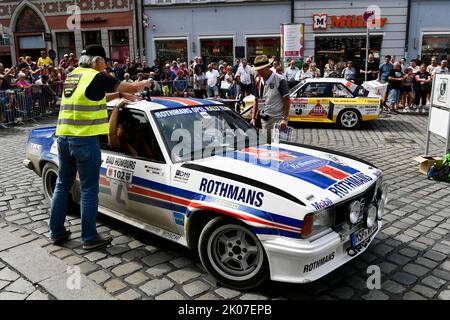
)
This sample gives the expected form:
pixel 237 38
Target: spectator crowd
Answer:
pixel 409 85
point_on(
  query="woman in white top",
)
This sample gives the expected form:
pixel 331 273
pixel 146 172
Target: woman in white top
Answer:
pixel 229 78
pixel 199 83
pixel 314 70
pixel 303 74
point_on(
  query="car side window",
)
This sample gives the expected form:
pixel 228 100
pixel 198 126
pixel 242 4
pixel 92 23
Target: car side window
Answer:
pixel 136 137
pixel 316 90
pixel 339 91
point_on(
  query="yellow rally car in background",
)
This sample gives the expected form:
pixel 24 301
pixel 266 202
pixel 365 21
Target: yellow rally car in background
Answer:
pixel 331 100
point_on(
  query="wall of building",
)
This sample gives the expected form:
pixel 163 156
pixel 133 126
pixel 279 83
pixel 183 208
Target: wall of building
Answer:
pixel 118 14
pixel 427 16
pixel 238 21
pixel 393 32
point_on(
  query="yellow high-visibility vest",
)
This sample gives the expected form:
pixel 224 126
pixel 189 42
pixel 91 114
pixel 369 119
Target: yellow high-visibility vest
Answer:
pixel 78 115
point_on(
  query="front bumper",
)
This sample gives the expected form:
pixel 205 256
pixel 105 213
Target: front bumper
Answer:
pixel 303 261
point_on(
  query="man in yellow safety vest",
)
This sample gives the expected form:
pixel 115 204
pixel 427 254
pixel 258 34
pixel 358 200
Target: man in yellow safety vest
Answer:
pixel 82 119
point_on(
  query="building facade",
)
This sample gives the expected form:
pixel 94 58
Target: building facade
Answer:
pixel 63 26
pixel 429 31
pixel 336 29
pixel 216 30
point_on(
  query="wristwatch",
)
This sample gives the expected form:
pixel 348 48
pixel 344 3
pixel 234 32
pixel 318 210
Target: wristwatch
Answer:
pixel 285 118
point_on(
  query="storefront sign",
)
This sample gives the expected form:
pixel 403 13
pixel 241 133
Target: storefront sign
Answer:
pixel 95 20
pixel 322 21
pixel 292 40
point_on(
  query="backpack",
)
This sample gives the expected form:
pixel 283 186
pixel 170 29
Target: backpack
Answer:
pixel 440 171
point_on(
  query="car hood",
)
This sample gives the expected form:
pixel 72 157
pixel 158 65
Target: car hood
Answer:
pixel 316 177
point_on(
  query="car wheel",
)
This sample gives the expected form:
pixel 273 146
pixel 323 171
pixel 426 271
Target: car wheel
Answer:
pixel 232 254
pixel 49 177
pixel 348 119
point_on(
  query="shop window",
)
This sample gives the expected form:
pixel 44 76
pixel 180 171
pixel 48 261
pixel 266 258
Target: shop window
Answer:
pixel 91 37
pixel 258 46
pixel 215 50
pixel 340 48
pixel 435 46
pixel 65 42
pixel 169 50
pixel 29 21
pixel 119 45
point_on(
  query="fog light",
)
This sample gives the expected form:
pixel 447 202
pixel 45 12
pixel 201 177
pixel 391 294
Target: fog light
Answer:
pixel 371 217
pixel 355 211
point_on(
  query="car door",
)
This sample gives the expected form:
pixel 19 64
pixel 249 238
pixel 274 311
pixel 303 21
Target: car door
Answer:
pixel 311 102
pixel 135 185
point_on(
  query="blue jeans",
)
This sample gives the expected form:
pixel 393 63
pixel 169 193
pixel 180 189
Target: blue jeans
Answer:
pixel 80 154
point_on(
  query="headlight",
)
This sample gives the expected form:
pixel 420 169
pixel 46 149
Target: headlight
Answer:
pixel 371 217
pixel 316 222
pixel 355 211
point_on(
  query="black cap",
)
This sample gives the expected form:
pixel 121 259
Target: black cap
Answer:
pixel 94 50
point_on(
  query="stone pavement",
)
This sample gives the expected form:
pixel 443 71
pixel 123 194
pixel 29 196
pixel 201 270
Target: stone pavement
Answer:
pixel 412 249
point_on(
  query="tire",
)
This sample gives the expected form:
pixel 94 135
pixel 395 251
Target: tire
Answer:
pixel 223 237
pixel 49 176
pixel 348 119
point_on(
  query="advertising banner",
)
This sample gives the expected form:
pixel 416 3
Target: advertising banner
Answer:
pixel 292 42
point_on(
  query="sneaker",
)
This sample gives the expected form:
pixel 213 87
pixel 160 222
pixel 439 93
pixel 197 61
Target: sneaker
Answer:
pixel 3 126
pixel 97 243
pixel 416 110
pixel 423 110
pixel 62 238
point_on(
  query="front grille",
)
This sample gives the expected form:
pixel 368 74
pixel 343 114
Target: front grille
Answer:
pixel 341 210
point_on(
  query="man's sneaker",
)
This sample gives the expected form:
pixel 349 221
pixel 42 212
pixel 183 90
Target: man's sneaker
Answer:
pixel 423 111
pixel 97 243
pixel 62 238
pixel 3 126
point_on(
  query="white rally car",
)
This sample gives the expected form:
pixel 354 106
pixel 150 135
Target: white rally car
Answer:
pixel 252 210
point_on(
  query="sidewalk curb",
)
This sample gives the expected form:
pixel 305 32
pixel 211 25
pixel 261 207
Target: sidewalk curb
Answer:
pixel 42 269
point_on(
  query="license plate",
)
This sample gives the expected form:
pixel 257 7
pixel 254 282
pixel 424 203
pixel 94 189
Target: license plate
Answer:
pixel 362 235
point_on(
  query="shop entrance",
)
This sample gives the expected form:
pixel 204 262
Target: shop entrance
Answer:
pixel 345 48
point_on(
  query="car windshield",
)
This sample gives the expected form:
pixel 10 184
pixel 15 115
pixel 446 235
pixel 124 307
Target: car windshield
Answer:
pixel 199 132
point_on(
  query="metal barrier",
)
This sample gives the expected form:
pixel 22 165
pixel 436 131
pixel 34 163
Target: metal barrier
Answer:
pixel 18 105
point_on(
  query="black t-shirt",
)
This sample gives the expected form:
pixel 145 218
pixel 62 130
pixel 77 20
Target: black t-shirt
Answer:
pixel 372 66
pixel 157 71
pixel 100 85
pixel 423 75
pixel 395 84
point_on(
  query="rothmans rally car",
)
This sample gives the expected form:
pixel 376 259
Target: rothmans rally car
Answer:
pixel 331 100
pixel 253 210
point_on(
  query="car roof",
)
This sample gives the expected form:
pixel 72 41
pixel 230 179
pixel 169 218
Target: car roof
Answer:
pixel 325 80
pixel 163 103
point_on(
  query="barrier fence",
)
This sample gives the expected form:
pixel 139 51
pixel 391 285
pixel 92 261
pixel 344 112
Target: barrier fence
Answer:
pixel 18 105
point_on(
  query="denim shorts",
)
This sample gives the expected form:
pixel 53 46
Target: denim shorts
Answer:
pixel 393 96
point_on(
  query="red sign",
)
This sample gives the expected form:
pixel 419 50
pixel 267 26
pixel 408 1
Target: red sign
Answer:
pixel 320 21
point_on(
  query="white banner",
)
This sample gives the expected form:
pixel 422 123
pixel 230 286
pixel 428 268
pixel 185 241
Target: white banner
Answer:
pixel 292 40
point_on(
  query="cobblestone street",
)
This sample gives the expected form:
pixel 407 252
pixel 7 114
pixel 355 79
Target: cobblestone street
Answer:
pixel 412 249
